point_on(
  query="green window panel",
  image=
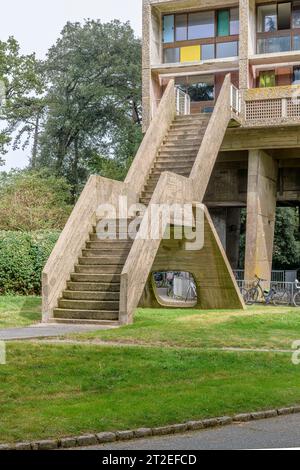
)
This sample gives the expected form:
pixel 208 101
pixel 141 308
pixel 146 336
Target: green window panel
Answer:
pixel 223 22
pixel 267 79
pixel 168 29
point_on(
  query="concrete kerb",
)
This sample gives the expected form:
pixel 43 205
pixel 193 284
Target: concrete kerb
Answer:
pixel 86 440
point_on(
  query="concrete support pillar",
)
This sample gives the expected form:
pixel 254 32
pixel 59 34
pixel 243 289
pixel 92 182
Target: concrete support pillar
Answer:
pixel 261 210
pixel 219 217
pixel 233 233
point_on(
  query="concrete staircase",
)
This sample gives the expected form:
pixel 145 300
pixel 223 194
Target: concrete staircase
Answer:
pixel 178 151
pixel 93 292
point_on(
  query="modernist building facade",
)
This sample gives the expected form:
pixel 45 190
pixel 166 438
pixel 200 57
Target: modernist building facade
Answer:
pixel 197 43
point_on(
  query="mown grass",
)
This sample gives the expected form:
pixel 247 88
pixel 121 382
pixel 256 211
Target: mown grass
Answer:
pixel 62 390
pixel 256 327
pixel 18 311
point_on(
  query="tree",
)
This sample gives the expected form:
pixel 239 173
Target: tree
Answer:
pixel 24 87
pixel 94 99
pixel 33 201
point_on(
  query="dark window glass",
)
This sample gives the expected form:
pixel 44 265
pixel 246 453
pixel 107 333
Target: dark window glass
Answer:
pixel 227 49
pixel 199 87
pixel 172 55
pixel 223 23
pixel 296 15
pixel 168 29
pixel 234 21
pixel 201 25
pixel 207 51
pixel 284 15
pixel 181 27
pixel 267 79
pixel 267 18
pixel 296 76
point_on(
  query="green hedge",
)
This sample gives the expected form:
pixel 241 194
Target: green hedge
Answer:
pixel 22 258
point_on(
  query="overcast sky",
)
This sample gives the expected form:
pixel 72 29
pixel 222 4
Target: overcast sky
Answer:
pixel 36 24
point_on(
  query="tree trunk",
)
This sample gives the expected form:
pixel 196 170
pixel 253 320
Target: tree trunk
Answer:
pixel 35 142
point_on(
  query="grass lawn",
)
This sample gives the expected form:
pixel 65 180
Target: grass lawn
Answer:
pixel 257 327
pixel 61 390
pixel 19 311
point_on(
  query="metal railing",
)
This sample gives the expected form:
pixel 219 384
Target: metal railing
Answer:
pixel 235 100
pixel 279 287
pixel 276 276
pixel 273 109
pixel 183 102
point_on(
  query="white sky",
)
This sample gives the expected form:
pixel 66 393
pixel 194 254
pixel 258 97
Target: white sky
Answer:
pixel 36 25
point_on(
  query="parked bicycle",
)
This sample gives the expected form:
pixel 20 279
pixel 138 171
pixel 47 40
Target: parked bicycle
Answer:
pixel 275 295
pixel 296 299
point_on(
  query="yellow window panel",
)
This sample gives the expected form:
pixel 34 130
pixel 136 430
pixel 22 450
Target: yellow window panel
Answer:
pixel 190 54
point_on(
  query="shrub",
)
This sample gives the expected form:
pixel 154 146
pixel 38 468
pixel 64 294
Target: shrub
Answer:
pixel 22 258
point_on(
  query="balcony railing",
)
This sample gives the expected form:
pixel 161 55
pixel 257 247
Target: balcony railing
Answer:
pixel 272 106
pixel 235 100
pixel 183 102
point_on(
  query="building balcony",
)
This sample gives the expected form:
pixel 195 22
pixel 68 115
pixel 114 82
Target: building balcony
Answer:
pixel 272 106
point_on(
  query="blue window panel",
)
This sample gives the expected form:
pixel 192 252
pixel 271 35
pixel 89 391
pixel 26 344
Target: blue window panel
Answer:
pixel 168 29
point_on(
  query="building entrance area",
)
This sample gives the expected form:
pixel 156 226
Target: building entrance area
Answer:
pixel 201 90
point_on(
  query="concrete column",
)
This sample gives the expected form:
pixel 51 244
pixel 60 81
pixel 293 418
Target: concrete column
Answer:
pixel 233 234
pixel 219 217
pixel 261 211
pixel 246 45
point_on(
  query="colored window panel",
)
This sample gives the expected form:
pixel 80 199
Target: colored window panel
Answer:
pixel 296 43
pixel 172 55
pixel 190 54
pixel 234 21
pixel 181 28
pixel 276 44
pixel 267 79
pixel 168 29
pixel 284 15
pixel 201 25
pixel 207 51
pixel 223 23
pixel 227 49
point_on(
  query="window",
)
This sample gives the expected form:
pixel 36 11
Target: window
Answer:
pixel 296 15
pixel 201 25
pixel 273 44
pixel 199 87
pixel 227 49
pixel 267 79
pixel 267 18
pixel 284 15
pixel 223 23
pixel 171 55
pixel 234 21
pixel 181 28
pixel 296 43
pixel 207 51
pixel 296 76
pixel 168 29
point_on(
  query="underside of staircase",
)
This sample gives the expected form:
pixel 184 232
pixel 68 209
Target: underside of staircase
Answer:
pixel 92 294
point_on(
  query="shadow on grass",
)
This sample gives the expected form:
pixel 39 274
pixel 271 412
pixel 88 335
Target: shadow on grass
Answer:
pixel 19 311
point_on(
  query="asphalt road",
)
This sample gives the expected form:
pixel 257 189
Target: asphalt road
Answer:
pixel 273 433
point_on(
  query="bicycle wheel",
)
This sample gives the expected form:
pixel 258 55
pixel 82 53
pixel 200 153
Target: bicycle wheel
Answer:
pixel 251 296
pixel 296 299
pixel 282 298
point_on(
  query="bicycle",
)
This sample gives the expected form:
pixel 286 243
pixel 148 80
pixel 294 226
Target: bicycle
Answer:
pixel 270 296
pixel 296 299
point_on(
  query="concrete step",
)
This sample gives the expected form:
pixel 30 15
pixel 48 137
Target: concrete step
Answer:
pixel 91 252
pixel 101 278
pixel 185 132
pixel 90 295
pixel 94 237
pixel 180 157
pixel 187 144
pixel 113 287
pixel 102 260
pixel 102 305
pixel 174 167
pixel 182 138
pixel 63 313
pixel 108 245
pixel 181 171
pixel 176 153
pixel 75 321
pixel 91 269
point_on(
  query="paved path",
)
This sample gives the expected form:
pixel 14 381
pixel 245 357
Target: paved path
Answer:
pixel 274 433
pixel 43 330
